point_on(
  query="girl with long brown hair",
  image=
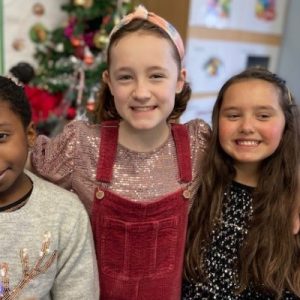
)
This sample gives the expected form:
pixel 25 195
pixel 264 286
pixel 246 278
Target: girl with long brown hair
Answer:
pixel 241 241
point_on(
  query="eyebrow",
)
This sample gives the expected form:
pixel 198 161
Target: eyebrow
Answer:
pixel 5 125
pixel 268 107
pixel 152 68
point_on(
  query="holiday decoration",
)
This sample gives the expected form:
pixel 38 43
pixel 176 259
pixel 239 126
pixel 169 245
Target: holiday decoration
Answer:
pixel 38 33
pixel 84 3
pixel 79 2
pixel 70 60
pixel 88 57
pixel 100 39
pixel 18 44
pixel 38 9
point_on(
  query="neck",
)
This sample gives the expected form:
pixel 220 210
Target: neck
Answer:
pixel 20 188
pixel 142 140
pixel 246 174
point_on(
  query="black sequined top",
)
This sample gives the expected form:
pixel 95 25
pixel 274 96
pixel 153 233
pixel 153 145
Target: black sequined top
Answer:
pixel 222 253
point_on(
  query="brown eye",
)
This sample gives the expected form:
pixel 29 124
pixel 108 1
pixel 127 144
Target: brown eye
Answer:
pixel 3 137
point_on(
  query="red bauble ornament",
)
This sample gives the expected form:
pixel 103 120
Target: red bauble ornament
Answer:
pixel 76 41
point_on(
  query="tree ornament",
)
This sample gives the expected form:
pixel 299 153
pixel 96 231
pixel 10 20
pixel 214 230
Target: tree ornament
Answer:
pixel 38 9
pixel 88 56
pixel 76 41
pixel 100 39
pixel 91 103
pixel 38 33
pixel 79 2
pixel 84 3
pixel 59 47
pixel 79 52
pixel 18 44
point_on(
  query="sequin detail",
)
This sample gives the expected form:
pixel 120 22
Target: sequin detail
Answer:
pixel 40 266
pixel 221 255
pixel 70 160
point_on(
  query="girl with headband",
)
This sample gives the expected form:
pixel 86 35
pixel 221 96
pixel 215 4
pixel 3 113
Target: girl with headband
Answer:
pixel 136 170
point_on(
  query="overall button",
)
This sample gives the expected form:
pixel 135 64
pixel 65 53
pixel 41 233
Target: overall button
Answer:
pixel 99 194
pixel 186 194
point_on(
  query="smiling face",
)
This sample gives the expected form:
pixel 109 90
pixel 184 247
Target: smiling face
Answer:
pixel 14 142
pixel 143 77
pixel 251 122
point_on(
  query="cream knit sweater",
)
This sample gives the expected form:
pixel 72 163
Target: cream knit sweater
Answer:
pixel 46 248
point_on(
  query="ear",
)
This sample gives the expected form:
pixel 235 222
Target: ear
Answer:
pixel 31 134
pixel 106 79
pixel 181 80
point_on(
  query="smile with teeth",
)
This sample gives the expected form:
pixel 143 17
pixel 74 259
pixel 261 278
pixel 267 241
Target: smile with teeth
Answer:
pixel 143 108
pixel 247 142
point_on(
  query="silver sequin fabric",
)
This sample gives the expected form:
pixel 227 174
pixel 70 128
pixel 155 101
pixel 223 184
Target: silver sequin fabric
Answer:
pixel 70 160
pixel 221 254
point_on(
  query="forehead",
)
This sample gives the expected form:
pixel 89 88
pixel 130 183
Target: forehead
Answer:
pixel 151 45
pixel 252 92
pixel 7 113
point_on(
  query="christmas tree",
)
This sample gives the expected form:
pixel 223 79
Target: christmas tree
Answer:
pixel 71 58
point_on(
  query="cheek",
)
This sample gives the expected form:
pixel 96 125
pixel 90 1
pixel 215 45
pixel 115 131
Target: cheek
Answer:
pixel 120 97
pixel 274 134
pixel 225 130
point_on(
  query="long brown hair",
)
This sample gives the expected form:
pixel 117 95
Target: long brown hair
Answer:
pixel 106 109
pixel 270 255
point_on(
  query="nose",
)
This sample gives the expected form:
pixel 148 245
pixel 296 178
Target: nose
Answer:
pixel 141 91
pixel 247 125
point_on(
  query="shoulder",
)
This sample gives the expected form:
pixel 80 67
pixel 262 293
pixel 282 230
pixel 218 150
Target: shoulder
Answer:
pixel 53 199
pixel 80 127
pixel 199 131
pixel 198 125
pixel 73 129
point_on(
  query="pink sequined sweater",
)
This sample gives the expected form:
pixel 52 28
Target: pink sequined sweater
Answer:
pixel 70 160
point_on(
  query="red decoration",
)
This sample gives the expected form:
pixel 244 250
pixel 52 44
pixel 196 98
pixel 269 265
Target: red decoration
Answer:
pixel 88 56
pixel 79 52
pixel 44 104
pixel 76 41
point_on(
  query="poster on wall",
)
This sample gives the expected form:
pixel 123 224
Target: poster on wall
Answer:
pixel 210 63
pixel 262 16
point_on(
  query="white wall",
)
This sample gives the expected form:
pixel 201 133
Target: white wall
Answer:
pixel 289 60
pixel 18 18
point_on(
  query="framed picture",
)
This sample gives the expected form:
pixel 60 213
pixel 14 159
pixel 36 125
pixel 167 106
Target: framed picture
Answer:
pixel 262 16
pixel 211 62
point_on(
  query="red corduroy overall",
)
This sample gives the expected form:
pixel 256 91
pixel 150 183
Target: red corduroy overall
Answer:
pixel 140 245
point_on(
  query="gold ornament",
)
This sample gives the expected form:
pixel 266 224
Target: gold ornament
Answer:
pixel 100 39
pixel 84 3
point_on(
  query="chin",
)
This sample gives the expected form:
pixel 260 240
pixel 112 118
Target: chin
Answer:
pixel 143 125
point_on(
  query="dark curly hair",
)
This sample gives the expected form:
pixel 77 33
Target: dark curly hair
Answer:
pixel 15 96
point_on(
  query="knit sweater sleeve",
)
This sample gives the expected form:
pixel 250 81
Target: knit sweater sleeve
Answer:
pixel 77 276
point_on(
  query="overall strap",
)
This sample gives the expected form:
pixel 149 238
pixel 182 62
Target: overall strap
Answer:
pixel 107 150
pixel 182 143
